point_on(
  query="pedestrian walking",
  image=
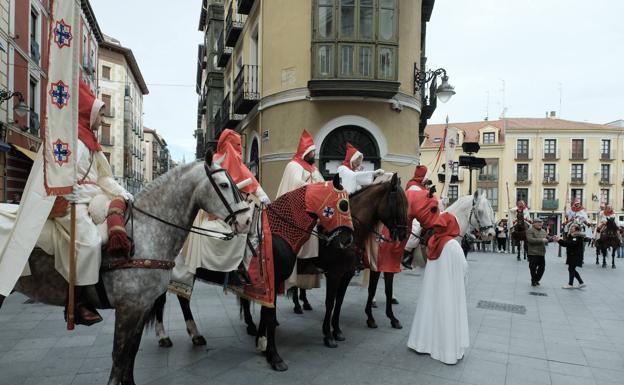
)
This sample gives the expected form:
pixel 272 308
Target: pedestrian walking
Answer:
pixel 501 237
pixel 621 248
pixel 574 244
pixel 537 239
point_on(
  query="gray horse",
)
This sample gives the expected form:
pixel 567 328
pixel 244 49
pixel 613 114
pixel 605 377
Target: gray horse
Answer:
pixel 175 197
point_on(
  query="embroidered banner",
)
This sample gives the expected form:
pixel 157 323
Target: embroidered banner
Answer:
pixel 60 128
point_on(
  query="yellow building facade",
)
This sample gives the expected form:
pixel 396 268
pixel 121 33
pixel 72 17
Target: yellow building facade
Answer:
pixel 544 161
pixel 343 70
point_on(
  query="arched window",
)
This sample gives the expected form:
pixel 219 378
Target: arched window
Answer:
pixel 334 148
pixel 355 39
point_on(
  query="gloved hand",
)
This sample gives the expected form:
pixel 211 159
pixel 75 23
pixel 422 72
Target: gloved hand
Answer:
pixel 379 172
pixel 265 200
pixel 127 196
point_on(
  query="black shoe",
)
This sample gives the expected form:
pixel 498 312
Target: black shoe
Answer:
pixel 533 283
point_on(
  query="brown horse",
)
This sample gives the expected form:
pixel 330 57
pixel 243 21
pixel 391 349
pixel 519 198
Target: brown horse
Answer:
pixel 609 237
pixel 518 233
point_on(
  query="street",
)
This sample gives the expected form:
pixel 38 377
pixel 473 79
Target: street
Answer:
pixel 553 336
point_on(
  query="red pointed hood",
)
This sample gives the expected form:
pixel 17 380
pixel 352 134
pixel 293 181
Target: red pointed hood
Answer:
pixel 577 206
pixel 351 155
pixel 232 162
pixel 418 178
pixel 306 145
pixel 231 137
pixel 88 109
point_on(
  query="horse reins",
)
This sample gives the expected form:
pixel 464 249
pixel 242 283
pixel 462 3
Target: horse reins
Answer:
pixel 479 228
pixel 238 197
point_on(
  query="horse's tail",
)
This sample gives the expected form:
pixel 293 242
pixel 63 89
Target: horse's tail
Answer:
pixel 156 312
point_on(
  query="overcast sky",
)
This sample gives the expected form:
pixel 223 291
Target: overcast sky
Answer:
pixel 537 47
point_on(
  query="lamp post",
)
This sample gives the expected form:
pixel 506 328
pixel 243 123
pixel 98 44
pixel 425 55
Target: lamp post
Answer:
pixel 20 108
pixel 444 92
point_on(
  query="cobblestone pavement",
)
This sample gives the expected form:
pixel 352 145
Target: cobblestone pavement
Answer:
pixel 563 337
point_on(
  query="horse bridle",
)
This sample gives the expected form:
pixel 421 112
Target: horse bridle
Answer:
pixel 238 196
pixel 479 227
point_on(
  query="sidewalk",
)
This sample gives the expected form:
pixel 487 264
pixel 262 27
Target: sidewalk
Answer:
pixel 523 335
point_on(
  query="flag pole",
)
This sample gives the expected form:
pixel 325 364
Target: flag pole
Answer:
pixel 71 301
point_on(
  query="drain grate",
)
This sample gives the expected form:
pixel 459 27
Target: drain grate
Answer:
pixel 538 294
pixel 499 306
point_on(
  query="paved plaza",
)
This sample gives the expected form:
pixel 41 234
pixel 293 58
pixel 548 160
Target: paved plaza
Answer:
pixel 553 336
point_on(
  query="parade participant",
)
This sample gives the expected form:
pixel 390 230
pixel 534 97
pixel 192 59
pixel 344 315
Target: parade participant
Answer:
pixel 501 236
pixel 440 325
pixel 576 213
pixel 419 180
pixel 351 172
pixel 537 239
pixel 574 254
pixel 604 215
pixel 523 208
pixel 301 171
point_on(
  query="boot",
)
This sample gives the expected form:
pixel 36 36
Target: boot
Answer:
pixel 408 259
pixel 84 313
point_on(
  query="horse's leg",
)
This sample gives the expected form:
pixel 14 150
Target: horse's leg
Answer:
pixel 297 309
pixel 303 296
pixel 518 247
pixel 613 257
pixel 331 290
pixel 191 327
pixel 597 255
pixel 340 295
pixel 159 308
pixel 372 288
pixel 272 356
pixel 246 309
pixel 261 339
pixel 525 246
pixel 129 325
pixel 388 283
pixel 1 300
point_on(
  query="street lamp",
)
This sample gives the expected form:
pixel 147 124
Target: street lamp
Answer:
pixel 444 91
pixel 20 109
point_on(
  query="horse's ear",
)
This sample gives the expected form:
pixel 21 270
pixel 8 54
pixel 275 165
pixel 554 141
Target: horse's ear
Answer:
pixel 208 158
pixel 476 195
pixel 432 190
pixel 395 179
pixel 337 182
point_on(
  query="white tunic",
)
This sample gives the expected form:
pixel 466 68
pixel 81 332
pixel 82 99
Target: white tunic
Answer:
pixel 353 181
pixel 440 326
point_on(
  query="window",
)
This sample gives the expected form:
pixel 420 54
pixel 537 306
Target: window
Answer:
pixel 522 172
pixel 490 171
pixel 35 53
pixel 522 194
pixel 453 193
pixel 577 149
pixel 549 194
pixel 522 150
pixel 550 172
pixel 355 39
pixel 605 172
pixel 604 196
pixel 491 193
pixel 550 148
pixel 32 94
pixel 577 173
pixel 107 104
pixel 489 138
pixel 605 149
pixel 106 72
pixel 106 134
pixel 576 193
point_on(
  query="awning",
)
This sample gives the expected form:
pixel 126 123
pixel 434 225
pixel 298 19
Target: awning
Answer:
pixel 30 154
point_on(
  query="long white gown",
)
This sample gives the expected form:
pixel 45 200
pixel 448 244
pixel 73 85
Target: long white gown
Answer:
pixel 440 326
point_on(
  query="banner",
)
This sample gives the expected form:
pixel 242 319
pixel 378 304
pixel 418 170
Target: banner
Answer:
pixel 450 143
pixel 60 131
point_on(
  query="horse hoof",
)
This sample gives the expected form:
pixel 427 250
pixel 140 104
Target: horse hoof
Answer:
pixel 279 366
pixel 306 306
pixel 597 263
pixel 613 266
pixel 395 301
pixel 251 330
pixel 374 304
pixel 199 341
pixel 330 342
pixel 396 324
pixel 298 310
pixel 604 265
pixel 338 336
pixel 371 323
pixel 165 343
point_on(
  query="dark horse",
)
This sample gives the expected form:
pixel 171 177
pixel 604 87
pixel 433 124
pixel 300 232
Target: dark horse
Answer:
pixel 518 234
pixel 608 238
pixel 281 216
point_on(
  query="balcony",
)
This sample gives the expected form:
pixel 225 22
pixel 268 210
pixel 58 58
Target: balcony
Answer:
pixel 244 6
pixel 224 53
pixel 487 178
pixel 606 180
pixel 234 24
pixel 552 155
pixel 523 154
pixel 353 87
pixel 523 178
pixel 578 154
pixel 606 156
pixel 550 178
pixel 578 179
pixel 246 91
pixel 550 204
pixel 227 118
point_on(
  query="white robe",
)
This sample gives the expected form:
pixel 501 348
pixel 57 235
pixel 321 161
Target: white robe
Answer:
pixel 353 181
pixel 440 325
pixel 296 176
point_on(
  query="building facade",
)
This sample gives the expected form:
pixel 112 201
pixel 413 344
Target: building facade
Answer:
pixel 122 88
pixel 348 76
pixel 24 27
pixel 157 157
pixel 546 162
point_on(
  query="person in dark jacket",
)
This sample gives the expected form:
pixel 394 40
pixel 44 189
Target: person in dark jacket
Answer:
pixel 574 244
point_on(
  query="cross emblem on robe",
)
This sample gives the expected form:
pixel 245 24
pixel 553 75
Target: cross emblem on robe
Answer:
pixel 62 34
pixel 328 212
pixel 61 152
pixel 59 93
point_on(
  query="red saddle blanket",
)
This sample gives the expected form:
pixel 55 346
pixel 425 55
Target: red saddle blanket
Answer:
pixel 261 272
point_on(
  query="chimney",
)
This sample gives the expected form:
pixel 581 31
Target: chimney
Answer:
pixel 553 115
pixel 546 113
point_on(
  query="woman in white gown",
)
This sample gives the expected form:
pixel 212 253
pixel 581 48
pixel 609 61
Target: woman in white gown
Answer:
pixel 440 326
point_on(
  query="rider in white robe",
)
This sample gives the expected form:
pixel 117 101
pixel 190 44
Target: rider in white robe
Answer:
pixel 352 176
pixel 301 171
pixel 576 214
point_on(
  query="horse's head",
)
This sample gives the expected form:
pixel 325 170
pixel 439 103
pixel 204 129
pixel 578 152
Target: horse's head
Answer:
pixel 220 196
pixel 392 209
pixel 482 216
pixel 611 225
pixel 330 204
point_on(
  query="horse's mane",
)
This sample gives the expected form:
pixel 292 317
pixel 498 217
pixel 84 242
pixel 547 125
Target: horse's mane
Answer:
pixel 172 174
pixel 366 188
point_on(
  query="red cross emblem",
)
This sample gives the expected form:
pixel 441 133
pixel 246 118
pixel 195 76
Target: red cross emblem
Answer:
pixel 62 34
pixel 61 152
pixel 59 92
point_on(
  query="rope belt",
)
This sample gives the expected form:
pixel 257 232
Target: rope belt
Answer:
pixel 138 264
